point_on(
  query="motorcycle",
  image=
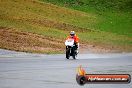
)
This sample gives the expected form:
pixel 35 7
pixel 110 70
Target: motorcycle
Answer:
pixel 70 48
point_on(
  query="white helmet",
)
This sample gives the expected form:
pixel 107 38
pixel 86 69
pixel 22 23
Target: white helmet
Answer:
pixel 72 33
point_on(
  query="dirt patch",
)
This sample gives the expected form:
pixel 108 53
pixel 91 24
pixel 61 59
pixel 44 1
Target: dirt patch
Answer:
pixel 92 48
pixel 13 39
pixel 28 42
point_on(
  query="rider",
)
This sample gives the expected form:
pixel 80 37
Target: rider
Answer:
pixel 76 39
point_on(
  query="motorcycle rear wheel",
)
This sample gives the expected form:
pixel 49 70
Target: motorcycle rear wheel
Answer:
pixel 74 54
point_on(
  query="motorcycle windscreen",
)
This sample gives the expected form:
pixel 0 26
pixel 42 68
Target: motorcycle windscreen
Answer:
pixel 69 42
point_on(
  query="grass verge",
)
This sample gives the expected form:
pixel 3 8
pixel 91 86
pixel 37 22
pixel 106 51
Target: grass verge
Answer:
pixel 29 19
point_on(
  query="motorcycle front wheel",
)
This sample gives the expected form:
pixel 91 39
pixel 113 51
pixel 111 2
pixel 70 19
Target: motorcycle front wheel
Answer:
pixel 67 53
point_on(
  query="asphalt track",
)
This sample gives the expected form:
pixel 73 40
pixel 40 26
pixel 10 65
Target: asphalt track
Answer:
pixel 24 70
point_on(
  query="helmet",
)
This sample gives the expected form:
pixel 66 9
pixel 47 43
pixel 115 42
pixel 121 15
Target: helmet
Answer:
pixel 72 33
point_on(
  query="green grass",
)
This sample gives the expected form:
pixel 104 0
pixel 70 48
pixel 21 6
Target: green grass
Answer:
pixel 110 27
pixel 19 11
pixel 112 15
